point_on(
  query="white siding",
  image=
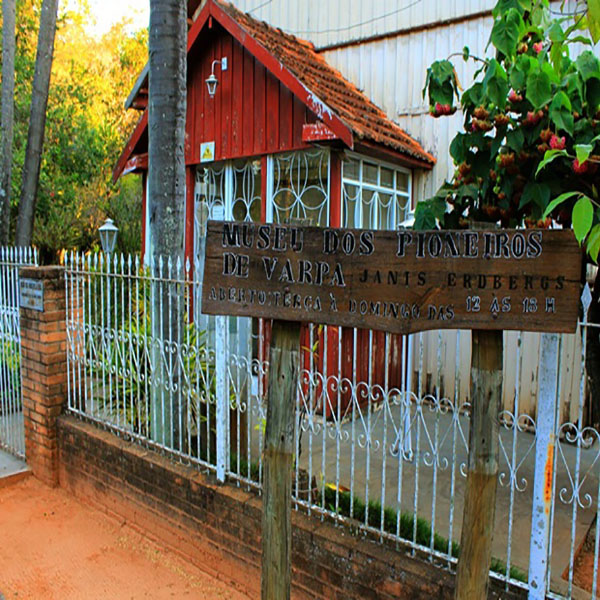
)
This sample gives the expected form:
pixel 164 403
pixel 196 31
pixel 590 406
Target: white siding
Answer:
pixel 392 73
pixel 326 22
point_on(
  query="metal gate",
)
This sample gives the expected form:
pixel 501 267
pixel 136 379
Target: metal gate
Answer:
pixel 12 433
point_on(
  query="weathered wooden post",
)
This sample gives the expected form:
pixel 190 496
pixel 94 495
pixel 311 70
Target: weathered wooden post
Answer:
pixel 482 478
pixel 400 282
pixel 284 360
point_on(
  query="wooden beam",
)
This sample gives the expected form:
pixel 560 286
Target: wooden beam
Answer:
pixel 277 478
pixel 317 132
pixel 480 497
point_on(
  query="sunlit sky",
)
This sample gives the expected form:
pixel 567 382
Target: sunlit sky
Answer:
pixel 108 12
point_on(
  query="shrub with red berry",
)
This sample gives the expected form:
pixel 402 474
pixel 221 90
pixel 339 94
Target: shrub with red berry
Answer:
pixel 529 152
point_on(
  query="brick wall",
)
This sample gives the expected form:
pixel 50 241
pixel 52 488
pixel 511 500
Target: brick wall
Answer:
pixel 218 527
pixel 44 371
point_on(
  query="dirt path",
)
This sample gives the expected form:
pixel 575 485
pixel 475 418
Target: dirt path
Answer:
pixel 54 548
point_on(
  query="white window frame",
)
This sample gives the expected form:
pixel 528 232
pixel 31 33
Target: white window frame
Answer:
pixel 360 184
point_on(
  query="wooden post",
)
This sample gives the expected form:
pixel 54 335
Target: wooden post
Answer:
pixel 277 476
pixel 480 497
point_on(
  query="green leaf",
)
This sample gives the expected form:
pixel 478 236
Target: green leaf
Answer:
pixel 507 31
pixel 587 64
pixel 459 148
pixel 593 243
pixel 583 216
pixel 424 217
pixel 495 83
pixel 503 6
pixel 583 151
pixel 538 193
pixel 556 33
pixel 548 158
pixel 466 53
pixel 539 90
pixel 593 16
pixel 592 93
pixel 561 113
pixel 515 139
pixel 558 200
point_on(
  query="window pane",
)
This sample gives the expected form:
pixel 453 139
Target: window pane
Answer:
pixel 387 178
pixel 402 181
pixel 351 169
pixel 301 187
pixel 246 193
pixel 370 200
pixel 402 209
pixel 385 212
pixel 351 218
pixel 370 173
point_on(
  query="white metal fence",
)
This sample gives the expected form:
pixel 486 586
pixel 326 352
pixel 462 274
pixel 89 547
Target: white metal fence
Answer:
pixel 12 434
pixel 377 440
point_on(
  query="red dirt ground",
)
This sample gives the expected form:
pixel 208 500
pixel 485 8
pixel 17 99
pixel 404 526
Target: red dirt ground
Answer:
pixel 52 547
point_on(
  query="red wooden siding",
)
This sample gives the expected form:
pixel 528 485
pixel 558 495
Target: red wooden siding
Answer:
pixel 251 114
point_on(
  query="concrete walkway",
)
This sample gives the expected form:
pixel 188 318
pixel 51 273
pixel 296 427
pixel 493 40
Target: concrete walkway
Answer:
pixel 12 469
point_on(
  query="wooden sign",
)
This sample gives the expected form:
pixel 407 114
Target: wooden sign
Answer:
pixel 398 281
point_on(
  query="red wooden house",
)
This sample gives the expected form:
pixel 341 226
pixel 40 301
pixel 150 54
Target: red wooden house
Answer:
pixel 284 135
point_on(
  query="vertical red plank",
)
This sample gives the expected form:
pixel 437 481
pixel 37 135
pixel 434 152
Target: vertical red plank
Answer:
pixel 285 118
pixel 238 95
pixel 260 109
pixel 226 95
pixel 272 116
pixel 248 120
pixel 298 120
pixel 189 212
pixel 335 189
pixel 217 100
pixel 144 209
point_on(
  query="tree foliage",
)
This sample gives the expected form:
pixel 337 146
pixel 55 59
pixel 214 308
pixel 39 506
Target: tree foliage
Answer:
pixel 530 148
pixel 86 129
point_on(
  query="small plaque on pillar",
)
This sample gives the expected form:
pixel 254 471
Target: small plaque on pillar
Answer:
pixel 31 294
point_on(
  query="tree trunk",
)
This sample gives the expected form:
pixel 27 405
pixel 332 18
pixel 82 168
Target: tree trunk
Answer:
pixel 8 113
pixel 37 122
pixel 166 203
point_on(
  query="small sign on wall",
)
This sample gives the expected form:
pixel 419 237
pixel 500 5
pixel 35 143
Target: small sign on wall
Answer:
pixel 207 152
pixel 31 294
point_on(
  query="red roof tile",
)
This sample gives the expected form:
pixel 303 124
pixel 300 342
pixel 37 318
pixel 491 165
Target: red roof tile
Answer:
pixel 366 120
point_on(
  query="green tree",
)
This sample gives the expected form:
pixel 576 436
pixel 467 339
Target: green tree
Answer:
pixel 86 129
pixel 528 156
pixel 531 106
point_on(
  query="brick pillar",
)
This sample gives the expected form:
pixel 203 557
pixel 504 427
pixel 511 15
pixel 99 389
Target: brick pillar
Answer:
pixel 43 369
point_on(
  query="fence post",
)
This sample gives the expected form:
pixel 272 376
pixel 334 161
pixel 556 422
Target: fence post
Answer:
pixel 43 368
pixel 544 466
pixel 222 391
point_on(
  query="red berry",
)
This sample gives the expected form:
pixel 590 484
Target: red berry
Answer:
pixel 514 97
pixel 557 143
pixel 580 168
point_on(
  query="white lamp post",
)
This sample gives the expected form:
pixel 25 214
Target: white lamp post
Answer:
pixel 108 236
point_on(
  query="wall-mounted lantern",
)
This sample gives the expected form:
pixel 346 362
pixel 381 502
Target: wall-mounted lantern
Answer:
pixel 211 80
pixel 108 236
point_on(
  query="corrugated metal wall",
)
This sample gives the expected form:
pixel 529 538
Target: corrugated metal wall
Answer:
pixel 392 71
pixel 326 22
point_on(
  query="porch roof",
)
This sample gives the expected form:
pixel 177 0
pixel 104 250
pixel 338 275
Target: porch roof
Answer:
pixel 339 104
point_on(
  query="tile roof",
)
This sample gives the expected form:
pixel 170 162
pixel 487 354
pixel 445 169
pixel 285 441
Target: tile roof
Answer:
pixel 366 120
